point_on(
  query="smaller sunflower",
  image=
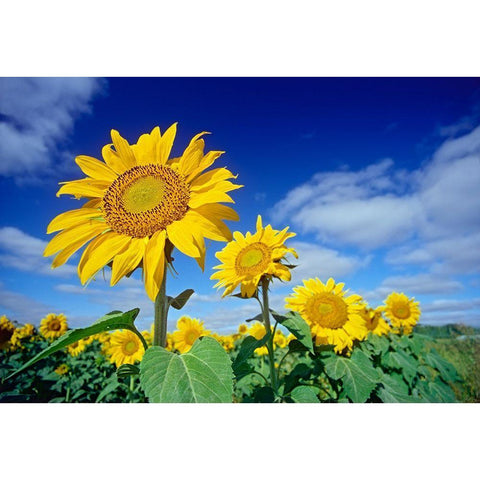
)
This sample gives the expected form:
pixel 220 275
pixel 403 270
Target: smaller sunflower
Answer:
pixel 258 331
pixel 374 321
pixel 334 319
pixel 188 331
pixel 279 339
pixel 62 369
pixel 22 334
pixel 75 348
pixel 7 330
pixel 246 259
pixel 125 347
pixel 403 312
pixel 242 329
pixel 53 326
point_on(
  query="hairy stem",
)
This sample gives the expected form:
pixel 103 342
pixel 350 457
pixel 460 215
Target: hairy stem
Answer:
pixel 266 321
pixel 161 310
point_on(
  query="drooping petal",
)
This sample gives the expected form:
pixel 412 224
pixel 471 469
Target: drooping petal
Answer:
pixel 123 149
pixel 154 263
pixel 71 218
pixel 128 260
pixel 183 239
pixel 85 187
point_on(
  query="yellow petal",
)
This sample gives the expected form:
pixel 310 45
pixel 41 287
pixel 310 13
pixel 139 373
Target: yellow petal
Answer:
pixel 205 162
pixel 210 178
pixel 113 159
pixel 145 150
pixel 123 149
pixel 71 235
pixel 95 168
pixel 212 196
pixel 192 155
pixel 183 238
pixel 84 188
pixel 71 218
pixel 216 210
pixel 212 228
pixel 165 143
pixel 154 263
pixel 125 262
pixel 99 253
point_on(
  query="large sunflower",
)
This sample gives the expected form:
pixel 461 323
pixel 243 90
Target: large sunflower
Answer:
pixel 247 258
pixel 188 331
pixel 53 326
pixel 6 332
pixel 125 347
pixel 402 311
pixel 138 202
pixel 333 318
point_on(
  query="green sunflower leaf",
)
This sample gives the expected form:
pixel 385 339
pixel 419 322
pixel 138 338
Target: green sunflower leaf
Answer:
pixel 247 347
pixel 256 318
pixel 202 375
pixel 394 390
pixel 305 394
pixel 295 324
pixel 358 376
pixel 126 370
pixel 181 299
pixel 446 369
pixel 111 321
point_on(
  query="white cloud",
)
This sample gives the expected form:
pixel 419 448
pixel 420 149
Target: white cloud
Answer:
pixel 39 114
pixel 317 261
pixel 25 252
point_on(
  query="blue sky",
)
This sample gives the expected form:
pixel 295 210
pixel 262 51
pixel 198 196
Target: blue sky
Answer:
pixel 379 178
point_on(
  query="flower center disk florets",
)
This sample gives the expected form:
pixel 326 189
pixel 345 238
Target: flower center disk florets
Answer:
pixel 145 199
pixel 326 310
pixel 253 259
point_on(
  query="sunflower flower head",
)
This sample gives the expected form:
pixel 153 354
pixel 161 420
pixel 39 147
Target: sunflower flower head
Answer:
pixel 188 331
pixel 62 369
pixel 403 312
pixel 6 332
pixel 334 318
pixel 246 259
pixel 140 204
pixel 242 329
pixel 75 348
pixel 22 334
pixel 53 326
pixel 375 321
pixel 124 347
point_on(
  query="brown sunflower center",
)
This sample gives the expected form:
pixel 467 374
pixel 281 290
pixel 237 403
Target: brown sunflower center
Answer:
pixel 401 310
pixel 130 347
pixel 145 199
pixel 327 310
pixel 55 325
pixel 253 259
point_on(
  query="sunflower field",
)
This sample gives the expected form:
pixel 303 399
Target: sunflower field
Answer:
pixel 139 205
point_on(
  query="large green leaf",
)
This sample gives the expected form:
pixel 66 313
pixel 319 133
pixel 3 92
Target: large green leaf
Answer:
pixel 436 391
pixel 202 375
pixel 379 345
pixel 359 377
pixel 394 390
pixel 304 394
pixel 295 324
pixel 400 360
pixel 112 321
pixel 446 369
pixel 247 347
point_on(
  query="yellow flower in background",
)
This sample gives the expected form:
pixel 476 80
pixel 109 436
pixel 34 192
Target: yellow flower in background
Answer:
pixel 403 312
pixel 75 348
pixel 53 326
pixel 62 369
pixel 88 340
pixel 104 339
pixel 188 331
pixel 21 334
pixel 169 345
pixel 258 331
pixel 148 336
pixel 333 318
pixel 279 339
pixel 247 258
pixel 139 201
pixel 242 329
pixel 374 321
pixel 6 331
pixel 124 347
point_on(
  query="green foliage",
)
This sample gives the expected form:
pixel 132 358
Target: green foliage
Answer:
pixel 203 374
pixel 304 394
pixel 112 321
pixel 247 347
pixel 296 325
pixel 181 299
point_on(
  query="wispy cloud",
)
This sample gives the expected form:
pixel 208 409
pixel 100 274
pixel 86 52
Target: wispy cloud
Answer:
pixel 38 115
pixel 24 252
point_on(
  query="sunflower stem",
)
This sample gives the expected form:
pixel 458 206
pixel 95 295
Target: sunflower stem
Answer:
pixel 161 310
pixel 266 321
